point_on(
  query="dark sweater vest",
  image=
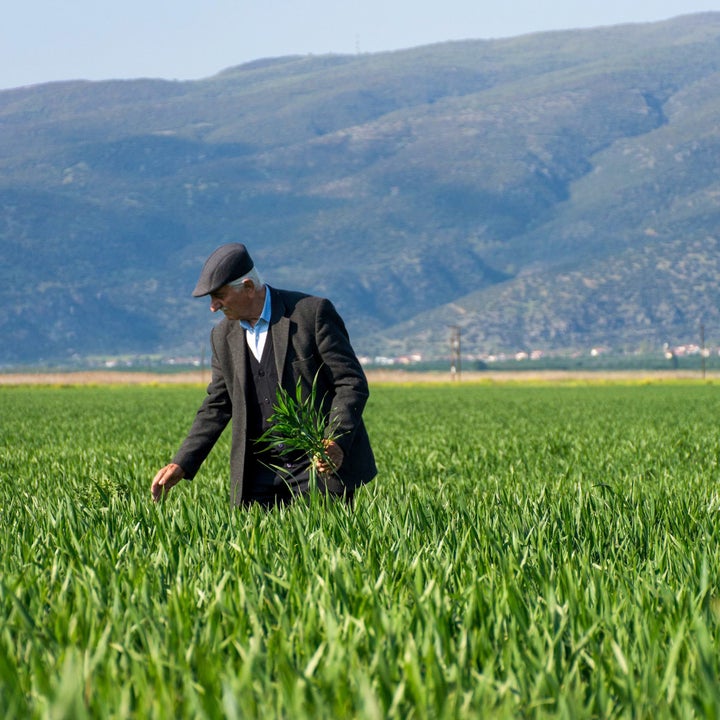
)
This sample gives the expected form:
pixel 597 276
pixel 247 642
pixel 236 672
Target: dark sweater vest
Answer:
pixel 262 386
pixel 269 475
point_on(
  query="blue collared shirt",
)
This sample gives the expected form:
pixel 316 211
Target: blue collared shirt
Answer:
pixel 255 335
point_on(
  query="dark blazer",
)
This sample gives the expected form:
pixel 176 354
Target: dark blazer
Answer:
pixel 308 336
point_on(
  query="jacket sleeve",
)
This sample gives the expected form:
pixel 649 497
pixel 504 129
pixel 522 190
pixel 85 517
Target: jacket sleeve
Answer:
pixel 210 421
pixel 343 373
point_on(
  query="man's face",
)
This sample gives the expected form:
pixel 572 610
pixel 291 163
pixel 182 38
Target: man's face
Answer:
pixel 238 303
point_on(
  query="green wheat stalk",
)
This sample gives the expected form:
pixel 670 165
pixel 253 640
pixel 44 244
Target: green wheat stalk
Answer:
pixel 299 424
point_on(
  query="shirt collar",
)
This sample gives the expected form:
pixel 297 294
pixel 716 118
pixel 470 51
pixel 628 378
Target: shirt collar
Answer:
pixel 264 320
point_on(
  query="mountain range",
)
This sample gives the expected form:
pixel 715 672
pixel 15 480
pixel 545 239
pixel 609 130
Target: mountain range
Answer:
pixel 554 191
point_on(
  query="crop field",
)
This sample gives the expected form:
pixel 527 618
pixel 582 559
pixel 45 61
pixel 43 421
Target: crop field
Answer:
pixel 527 550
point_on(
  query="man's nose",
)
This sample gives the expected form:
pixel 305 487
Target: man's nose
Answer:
pixel 215 305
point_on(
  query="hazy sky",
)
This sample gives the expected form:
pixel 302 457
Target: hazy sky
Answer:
pixel 45 40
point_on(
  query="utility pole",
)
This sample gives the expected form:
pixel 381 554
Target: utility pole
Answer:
pixel 456 358
pixel 702 348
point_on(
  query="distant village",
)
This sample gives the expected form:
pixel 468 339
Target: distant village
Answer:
pixel 671 355
pixel 668 352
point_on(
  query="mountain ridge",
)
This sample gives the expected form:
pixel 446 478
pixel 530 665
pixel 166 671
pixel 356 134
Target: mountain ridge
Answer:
pixel 509 178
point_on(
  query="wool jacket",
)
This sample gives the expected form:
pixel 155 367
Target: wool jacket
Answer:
pixel 309 340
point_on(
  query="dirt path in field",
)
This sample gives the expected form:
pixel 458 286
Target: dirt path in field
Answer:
pixel 108 377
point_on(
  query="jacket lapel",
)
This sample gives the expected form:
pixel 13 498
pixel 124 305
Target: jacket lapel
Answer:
pixel 280 329
pixel 236 343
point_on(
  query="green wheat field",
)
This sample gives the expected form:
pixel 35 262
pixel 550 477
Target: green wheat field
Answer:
pixel 527 550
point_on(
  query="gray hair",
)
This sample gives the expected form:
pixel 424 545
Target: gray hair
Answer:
pixel 253 275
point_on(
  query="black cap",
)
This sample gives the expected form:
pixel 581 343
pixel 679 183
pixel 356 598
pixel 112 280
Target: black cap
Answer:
pixel 227 263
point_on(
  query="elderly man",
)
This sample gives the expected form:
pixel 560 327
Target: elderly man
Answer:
pixel 268 338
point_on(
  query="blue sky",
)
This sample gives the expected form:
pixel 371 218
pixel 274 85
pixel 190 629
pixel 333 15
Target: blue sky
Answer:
pixel 48 40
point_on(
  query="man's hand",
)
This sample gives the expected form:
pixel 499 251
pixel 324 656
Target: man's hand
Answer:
pixel 335 455
pixel 167 477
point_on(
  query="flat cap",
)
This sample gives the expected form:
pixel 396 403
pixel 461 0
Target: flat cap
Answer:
pixel 227 263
